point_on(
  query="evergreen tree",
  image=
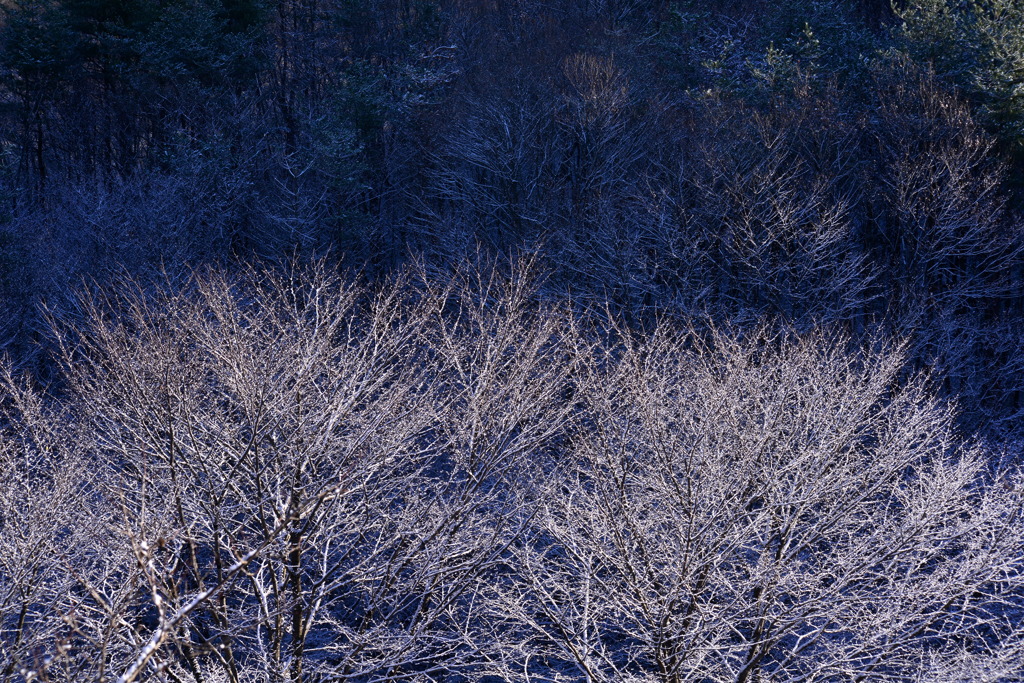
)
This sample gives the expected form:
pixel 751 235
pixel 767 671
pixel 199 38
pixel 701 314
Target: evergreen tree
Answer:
pixel 979 46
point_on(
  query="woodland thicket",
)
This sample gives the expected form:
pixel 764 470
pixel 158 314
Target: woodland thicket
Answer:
pixel 531 340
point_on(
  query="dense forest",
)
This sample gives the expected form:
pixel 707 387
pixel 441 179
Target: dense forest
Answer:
pixel 511 341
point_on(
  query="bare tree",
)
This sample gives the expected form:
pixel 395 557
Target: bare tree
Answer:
pixel 282 475
pixel 293 477
pixel 766 509
pixel 767 198
pixel 257 436
pixel 40 500
pixel 940 230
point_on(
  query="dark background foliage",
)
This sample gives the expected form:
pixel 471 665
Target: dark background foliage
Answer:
pixel 807 162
